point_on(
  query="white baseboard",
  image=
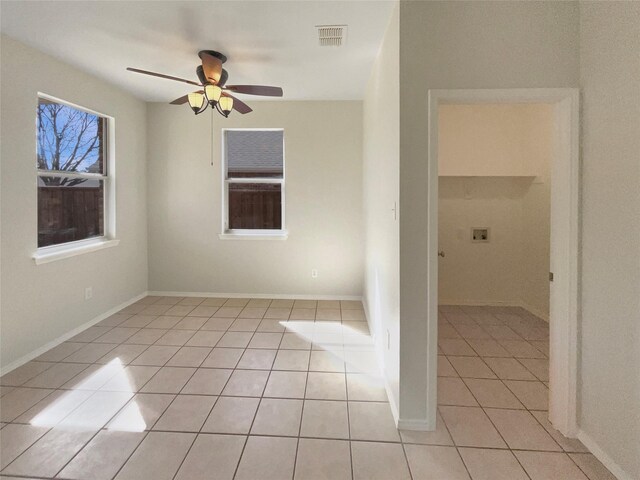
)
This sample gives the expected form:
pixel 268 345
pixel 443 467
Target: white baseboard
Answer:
pixel 481 303
pixel 380 357
pixel 471 303
pixel 277 296
pixel 63 338
pixel 538 313
pixel 372 331
pixel 416 425
pixel 392 401
pixel 604 458
pixel 404 423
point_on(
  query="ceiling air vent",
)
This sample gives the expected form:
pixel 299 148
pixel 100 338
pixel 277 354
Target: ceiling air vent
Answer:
pixel 332 35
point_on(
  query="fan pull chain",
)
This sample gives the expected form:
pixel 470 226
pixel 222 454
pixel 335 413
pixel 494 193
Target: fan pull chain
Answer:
pixel 212 135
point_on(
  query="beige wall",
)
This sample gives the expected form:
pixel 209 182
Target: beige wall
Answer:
pixel 41 303
pixel 323 152
pixel 380 185
pixel 494 165
pixel 460 45
pixel 487 140
pixel 610 328
pixel 480 273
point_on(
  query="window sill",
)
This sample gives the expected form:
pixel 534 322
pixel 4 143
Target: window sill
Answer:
pixel 283 235
pixel 59 252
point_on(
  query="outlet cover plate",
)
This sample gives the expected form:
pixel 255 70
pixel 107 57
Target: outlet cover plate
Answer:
pixel 480 234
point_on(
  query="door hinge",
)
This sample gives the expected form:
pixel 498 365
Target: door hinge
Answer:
pixel 551 276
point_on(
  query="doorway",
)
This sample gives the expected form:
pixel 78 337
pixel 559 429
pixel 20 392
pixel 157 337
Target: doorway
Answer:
pixel 562 106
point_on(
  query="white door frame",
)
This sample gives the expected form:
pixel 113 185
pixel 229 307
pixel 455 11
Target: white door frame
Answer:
pixel 565 194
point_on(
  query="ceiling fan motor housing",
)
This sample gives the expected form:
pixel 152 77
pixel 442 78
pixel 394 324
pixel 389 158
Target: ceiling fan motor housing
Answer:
pixel 213 53
pixel 203 79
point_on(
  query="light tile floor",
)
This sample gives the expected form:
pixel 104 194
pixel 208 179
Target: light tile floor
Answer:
pixel 195 388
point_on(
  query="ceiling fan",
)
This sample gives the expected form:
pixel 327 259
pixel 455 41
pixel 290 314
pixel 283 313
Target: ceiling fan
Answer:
pixel 214 91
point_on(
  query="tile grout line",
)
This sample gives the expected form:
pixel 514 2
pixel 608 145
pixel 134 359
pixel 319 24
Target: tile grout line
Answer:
pixel 270 397
pixel 146 434
pixel 406 457
pixel 271 435
pixel 304 401
pixel 455 445
pixel 255 414
pixel 195 438
pixel 579 467
pixel 346 385
pixel 536 380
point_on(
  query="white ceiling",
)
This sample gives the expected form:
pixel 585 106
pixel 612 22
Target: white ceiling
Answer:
pixel 266 42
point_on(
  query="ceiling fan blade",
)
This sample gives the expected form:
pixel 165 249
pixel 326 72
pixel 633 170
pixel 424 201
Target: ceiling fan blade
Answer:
pixel 184 99
pixel 256 90
pixel 162 75
pixel 239 105
pixel 181 100
pixel 212 66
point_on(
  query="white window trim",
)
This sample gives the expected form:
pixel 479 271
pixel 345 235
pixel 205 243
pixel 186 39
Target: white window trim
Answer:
pixel 251 234
pixel 263 235
pixel 70 249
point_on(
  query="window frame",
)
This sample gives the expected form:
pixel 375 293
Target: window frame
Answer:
pixel 108 239
pixel 251 234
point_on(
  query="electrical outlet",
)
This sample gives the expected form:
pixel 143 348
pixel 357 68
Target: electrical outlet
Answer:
pixel 314 273
pixel 88 293
pixel 480 234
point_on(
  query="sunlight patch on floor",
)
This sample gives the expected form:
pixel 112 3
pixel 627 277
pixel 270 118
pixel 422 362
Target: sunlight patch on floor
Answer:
pixel 85 406
pixel 347 344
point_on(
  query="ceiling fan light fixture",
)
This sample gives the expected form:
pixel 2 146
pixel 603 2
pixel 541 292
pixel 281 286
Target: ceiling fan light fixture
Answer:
pixel 226 105
pixel 213 93
pixel 213 88
pixel 196 101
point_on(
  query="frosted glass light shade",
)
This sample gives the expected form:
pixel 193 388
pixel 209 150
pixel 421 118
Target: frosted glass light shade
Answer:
pixel 196 100
pixel 213 93
pixel 226 105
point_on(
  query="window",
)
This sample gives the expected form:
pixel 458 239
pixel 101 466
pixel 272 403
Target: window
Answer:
pixel 254 181
pixel 73 176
